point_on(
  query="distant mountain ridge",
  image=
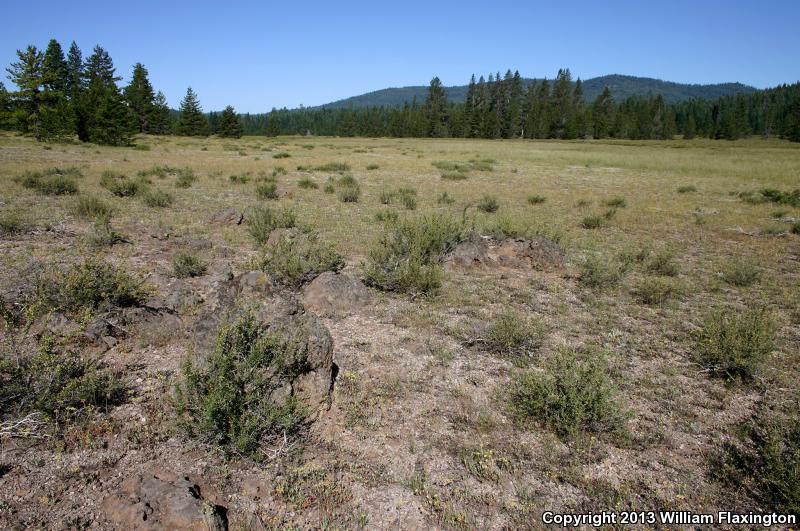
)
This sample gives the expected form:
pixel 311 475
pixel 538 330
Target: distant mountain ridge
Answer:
pixel 621 88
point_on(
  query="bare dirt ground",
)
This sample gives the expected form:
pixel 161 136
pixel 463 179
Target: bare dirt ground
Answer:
pixel 417 433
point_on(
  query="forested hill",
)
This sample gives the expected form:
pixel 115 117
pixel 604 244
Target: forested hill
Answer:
pixel 621 88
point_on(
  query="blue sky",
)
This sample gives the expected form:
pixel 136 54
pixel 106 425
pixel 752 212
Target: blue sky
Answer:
pixel 259 55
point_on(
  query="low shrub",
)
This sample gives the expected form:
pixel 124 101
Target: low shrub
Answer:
pixel 329 188
pixel 569 397
pixel 767 462
pixel 662 263
pixel 741 273
pixel 601 273
pixel 307 183
pixel 262 220
pixel 281 155
pixel 408 198
pixel 296 260
pixel 240 178
pixel 349 193
pixel 120 185
pixel 514 335
pixel 267 190
pixel 372 167
pixel 488 204
pixel 59 385
pixel 92 207
pixel 228 400
pixel 93 284
pixel 734 345
pixel 187 264
pixel 55 181
pixel 655 290
pixel 157 198
pixel 593 222
pixel 536 199
pixel 616 202
pixel 186 178
pixel 103 234
pixel 407 256
pixel 454 176
pixel 337 167
pixel 687 189
pixel 386 216
pixel 445 199
pixel 11 222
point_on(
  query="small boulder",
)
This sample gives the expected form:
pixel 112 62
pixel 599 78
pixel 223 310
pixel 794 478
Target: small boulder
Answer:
pixel 157 501
pixel 335 294
pixel 227 216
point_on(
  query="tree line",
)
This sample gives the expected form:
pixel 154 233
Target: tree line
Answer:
pixel 505 107
pixel 60 96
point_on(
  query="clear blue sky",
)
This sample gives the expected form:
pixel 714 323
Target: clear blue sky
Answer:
pixel 259 55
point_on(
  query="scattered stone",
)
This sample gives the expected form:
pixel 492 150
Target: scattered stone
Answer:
pixel 227 216
pixel 335 295
pixel 157 501
pixel 516 253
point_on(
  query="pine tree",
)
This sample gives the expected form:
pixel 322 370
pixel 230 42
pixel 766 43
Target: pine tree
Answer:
pixel 160 122
pixel 101 113
pixel 139 97
pixel 54 68
pixel 690 129
pixel 562 104
pixel 229 124
pixel 74 72
pixel 5 107
pixel 113 124
pixel 602 114
pixel 26 74
pixel 436 109
pixel 273 125
pixel 469 107
pixel 192 121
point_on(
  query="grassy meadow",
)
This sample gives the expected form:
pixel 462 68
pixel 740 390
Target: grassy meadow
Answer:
pixel 632 376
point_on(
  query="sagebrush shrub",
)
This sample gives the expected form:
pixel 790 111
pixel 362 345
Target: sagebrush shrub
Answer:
pixel 296 260
pixel 488 204
pixel 121 185
pixel 11 222
pixel 92 207
pixel 89 285
pixel 58 384
pixel 735 345
pixel 600 273
pixel 262 220
pixel 592 222
pixel 536 199
pixel 307 183
pixel 768 462
pixel 655 290
pixel 407 256
pixel 55 181
pixel 663 263
pixel 569 397
pixel 188 264
pixel 157 198
pixel 228 400
pixel 514 335
pixel 267 190
pixel 741 273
